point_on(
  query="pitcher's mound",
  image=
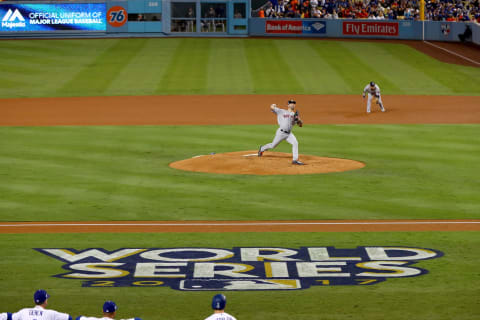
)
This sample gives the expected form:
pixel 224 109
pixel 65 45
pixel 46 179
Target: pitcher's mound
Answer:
pixel 271 163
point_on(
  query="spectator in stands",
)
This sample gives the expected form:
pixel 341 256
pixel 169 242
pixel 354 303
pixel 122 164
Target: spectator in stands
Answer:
pixel 281 8
pixel 270 11
pixel 436 10
pixel 316 12
pixel 290 12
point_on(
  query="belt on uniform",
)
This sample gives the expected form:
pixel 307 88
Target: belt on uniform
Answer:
pixel 285 131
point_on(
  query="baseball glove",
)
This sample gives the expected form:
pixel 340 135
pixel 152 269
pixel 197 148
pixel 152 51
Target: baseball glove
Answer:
pixel 297 119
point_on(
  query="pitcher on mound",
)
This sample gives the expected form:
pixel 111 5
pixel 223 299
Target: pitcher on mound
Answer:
pixel 286 120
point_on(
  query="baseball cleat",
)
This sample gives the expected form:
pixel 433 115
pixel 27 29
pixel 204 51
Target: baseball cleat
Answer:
pixel 383 109
pixel 298 162
pixel 260 152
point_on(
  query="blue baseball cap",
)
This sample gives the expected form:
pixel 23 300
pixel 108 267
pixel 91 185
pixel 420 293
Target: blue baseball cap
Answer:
pixel 219 302
pixel 40 296
pixel 109 307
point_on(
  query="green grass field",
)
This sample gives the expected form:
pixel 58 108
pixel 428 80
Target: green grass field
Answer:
pixel 53 68
pixel 121 173
pixel 448 291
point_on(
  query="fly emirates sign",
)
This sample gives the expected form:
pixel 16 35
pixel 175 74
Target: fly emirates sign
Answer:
pixel 367 28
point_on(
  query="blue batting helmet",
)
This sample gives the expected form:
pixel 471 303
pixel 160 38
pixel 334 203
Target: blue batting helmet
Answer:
pixel 109 307
pixel 218 302
pixel 40 296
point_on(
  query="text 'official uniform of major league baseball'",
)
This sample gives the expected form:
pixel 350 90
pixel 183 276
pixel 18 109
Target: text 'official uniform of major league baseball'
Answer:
pixel 39 312
pixel 373 90
pixel 286 120
pixel 219 302
pixel 109 310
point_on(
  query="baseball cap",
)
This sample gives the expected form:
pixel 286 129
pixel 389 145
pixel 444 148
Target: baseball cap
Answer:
pixel 372 83
pixel 219 301
pixel 109 307
pixel 40 296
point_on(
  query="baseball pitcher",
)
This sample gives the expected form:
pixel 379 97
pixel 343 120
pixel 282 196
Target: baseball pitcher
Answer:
pixel 286 120
pixel 39 312
pixel 373 90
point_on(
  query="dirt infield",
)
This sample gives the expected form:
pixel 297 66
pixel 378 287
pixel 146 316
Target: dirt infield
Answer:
pixel 240 226
pixel 234 110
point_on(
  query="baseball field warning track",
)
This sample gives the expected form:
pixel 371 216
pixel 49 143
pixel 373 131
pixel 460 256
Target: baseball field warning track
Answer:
pixel 240 226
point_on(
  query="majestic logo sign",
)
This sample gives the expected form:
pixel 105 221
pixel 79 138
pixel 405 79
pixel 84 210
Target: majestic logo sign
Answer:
pixel 240 268
pixel 13 19
pixel 50 17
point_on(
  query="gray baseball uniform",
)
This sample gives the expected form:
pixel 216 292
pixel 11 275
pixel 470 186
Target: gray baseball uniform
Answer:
pixel 285 120
pixel 372 92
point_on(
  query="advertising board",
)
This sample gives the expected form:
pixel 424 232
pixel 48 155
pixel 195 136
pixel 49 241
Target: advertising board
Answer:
pixel 368 28
pixel 295 26
pixel 48 17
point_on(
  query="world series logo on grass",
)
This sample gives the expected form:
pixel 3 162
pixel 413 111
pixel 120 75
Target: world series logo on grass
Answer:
pixel 257 268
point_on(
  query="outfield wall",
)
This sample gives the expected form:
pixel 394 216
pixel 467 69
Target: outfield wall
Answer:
pixel 163 18
pixel 384 29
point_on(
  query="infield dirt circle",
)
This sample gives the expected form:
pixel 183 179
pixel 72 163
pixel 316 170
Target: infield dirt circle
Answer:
pixel 271 163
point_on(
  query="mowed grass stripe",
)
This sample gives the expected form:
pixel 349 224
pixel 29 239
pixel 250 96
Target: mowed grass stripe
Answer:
pixel 368 68
pixel 311 72
pixel 453 79
pixel 187 71
pixel 402 77
pixel 50 64
pixel 103 69
pixel 315 73
pixel 141 75
pixel 269 69
pixel 347 65
pixel 227 69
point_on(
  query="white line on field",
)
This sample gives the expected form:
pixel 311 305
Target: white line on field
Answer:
pixel 240 223
pixel 454 53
